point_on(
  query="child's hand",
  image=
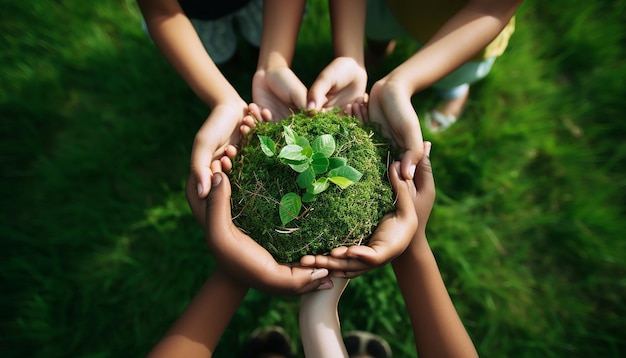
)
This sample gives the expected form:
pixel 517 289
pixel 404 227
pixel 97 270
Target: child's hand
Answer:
pixel 391 238
pixel 278 90
pixel 215 142
pixel 341 83
pixel 240 256
pixel 390 106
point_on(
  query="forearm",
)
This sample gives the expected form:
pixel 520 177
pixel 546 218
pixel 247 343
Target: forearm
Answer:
pixel 459 39
pixel 281 23
pixel 175 36
pixel 348 25
pixel 199 328
pixel 437 328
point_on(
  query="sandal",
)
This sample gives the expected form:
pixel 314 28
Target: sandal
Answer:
pixel 359 343
pixel 444 121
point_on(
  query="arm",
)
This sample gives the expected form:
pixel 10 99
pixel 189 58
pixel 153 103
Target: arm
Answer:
pixel 460 38
pixel 437 328
pixel 197 331
pixel 175 36
pixel 344 80
pixel 274 86
pixel 214 142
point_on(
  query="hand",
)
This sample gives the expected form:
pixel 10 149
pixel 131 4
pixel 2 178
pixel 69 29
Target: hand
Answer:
pixel 340 84
pixel 391 238
pixel 390 106
pixel 240 256
pixel 279 91
pixel 424 197
pixel 215 143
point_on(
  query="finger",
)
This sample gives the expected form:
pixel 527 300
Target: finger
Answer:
pixel 332 263
pixel 196 204
pixel 403 189
pixel 255 111
pixel 409 161
pixel 317 95
pixel 218 201
pixel 348 274
pixel 202 176
pixel 226 163
pixel 230 151
pixel 424 180
pixel 216 166
pixel 307 279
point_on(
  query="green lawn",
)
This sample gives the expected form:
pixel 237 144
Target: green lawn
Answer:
pixel 100 252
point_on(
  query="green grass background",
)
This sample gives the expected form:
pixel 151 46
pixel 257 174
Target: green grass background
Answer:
pixel 100 253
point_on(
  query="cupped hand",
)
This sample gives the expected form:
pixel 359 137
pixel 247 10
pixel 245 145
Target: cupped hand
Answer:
pixel 279 91
pixel 215 142
pixel 391 238
pixel 240 256
pixel 339 85
pixel 390 106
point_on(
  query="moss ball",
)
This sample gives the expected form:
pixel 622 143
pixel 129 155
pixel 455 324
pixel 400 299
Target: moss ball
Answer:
pixel 337 217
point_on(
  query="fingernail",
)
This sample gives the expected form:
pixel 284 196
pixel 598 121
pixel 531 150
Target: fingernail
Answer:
pixel 316 274
pixel 412 171
pixel 311 105
pixel 325 286
pixel 199 188
pixel 427 148
pixel 217 180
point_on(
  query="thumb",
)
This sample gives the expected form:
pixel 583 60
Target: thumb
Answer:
pixel 202 175
pixel 404 190
pixel 409 162
pixel 218 202
pixel 316 97
pixel 424 180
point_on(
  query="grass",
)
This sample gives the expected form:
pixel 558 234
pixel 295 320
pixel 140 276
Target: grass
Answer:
pixel 100 252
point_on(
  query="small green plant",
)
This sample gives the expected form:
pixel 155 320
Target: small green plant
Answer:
pixel 310 183
pixel 311 161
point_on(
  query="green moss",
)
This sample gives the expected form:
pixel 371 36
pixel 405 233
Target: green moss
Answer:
pixel 338 216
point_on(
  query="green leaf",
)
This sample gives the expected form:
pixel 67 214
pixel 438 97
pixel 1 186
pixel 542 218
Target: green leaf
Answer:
pixel 306 178
pixel 336 162
pixel 342 182
pixel 267 145
pixel 308 197
pixel 318 186
pixel 290 135
pixel 301 141
pixel 344 176
pixel 319 163
pixel 292 152
pixel 299 165
pixel 290 206
pixel 324 144
pixel 308 151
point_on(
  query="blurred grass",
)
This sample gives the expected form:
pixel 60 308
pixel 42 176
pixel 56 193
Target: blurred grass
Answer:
pixel 100 252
